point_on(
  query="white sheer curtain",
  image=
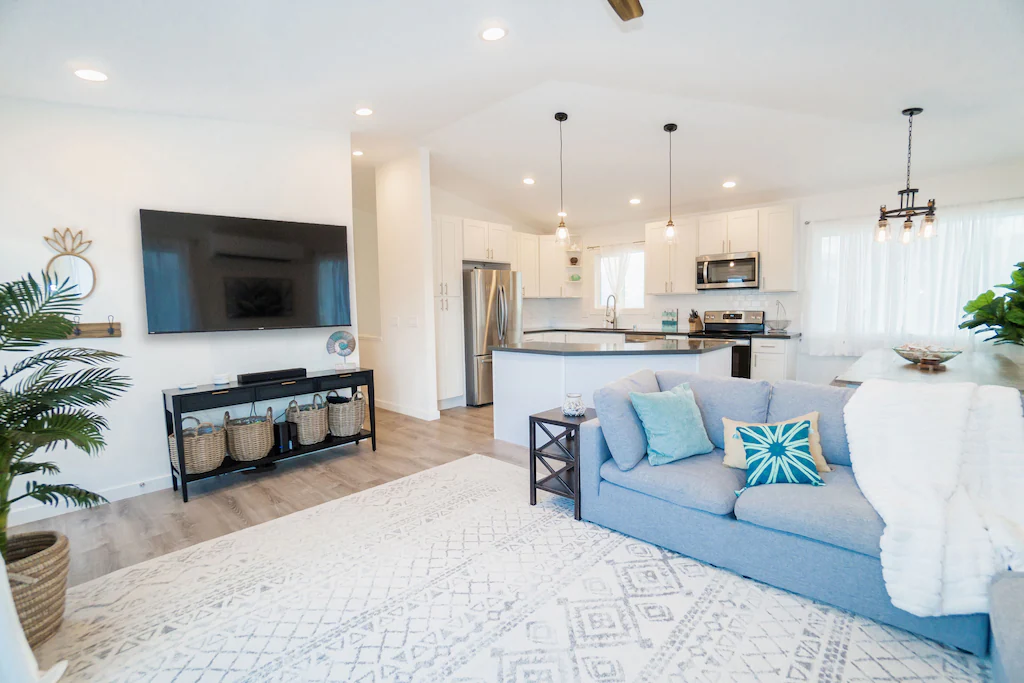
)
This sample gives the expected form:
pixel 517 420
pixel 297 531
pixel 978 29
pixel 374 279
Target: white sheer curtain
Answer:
pixel 862 295
pixel 619 270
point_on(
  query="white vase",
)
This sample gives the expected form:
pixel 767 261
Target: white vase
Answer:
pixel 573 405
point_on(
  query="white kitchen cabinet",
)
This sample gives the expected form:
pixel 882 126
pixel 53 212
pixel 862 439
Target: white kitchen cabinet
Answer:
pixel 558 337
pixel 741 231
pixel 671 268
pixel 448 332
pixel 527 262
pixel 712 233
pixel 448 245
pixel 552 278
pixel 533 336
pixel 595 338
pixel 474 240
pixel 773 359
pixel 777 244
pixel 483 241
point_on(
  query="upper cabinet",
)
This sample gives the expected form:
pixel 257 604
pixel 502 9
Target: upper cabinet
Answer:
pixel 483 241
pixel 671 268
pixel 728 233
pixel 448 242
pixel 777 244
pixel 526 260
pixel 555 270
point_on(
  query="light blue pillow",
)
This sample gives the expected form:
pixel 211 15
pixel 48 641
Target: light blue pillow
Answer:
pixel 779 454
pixel 672 423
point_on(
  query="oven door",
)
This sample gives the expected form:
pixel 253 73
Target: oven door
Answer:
pixel 740 355
pixel 728 271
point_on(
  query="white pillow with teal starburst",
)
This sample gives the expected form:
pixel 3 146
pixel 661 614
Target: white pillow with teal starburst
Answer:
pixel 779 454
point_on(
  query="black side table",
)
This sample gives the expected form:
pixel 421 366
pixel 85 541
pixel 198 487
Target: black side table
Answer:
pixel 562 447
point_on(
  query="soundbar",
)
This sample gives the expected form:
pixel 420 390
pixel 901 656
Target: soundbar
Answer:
pixel 271 376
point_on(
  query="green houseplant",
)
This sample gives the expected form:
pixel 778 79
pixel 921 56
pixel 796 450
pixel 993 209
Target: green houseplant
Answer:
pixel 1003 315
pixel 45 402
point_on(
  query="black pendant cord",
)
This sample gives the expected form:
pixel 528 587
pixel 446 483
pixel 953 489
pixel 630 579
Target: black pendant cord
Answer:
pixel 561 188
pixel 670 176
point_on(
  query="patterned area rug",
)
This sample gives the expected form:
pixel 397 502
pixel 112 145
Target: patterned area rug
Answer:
pixel 449 575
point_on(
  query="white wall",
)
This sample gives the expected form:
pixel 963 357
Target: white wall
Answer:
pixel 404 360
pixel 447 203
pixel 364 224
pixel 93 169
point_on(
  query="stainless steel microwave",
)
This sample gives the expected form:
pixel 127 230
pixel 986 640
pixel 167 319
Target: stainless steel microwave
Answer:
pixel 728 271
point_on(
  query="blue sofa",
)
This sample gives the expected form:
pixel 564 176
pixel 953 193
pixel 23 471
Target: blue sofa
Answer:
pixel 820 542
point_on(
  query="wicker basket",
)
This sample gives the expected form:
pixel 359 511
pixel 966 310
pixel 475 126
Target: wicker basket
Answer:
pixel 250 438
pixel 204 451
pixel 37 570
pixel 310 420
pixel 346 419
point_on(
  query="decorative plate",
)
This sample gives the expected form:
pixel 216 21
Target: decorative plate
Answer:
pixel 341 343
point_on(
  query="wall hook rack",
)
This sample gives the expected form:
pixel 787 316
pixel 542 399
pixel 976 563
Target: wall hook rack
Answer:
pixel 95 330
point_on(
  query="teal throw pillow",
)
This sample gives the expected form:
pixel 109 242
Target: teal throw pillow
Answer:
pixel 779 454
pixel 673 425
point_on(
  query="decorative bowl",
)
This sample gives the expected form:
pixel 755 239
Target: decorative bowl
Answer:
pixel 778 325
pixel 926 355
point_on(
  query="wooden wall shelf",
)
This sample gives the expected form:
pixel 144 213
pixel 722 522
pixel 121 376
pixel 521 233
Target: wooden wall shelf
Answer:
pixel 95 330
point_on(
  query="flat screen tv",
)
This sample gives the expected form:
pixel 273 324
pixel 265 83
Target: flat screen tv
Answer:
pixel 215 273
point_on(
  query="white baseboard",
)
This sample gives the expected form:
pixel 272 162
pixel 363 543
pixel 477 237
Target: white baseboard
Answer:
pixel 36 511
pixel 457 402
pixel 418 413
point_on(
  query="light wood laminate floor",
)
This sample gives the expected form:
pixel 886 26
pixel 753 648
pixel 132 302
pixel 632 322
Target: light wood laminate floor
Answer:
pixel 130 531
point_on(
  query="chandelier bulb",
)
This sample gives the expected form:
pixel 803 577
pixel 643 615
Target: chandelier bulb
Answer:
pixel 882 231
pixel 670 232
pixel 928 227
pixel 908 231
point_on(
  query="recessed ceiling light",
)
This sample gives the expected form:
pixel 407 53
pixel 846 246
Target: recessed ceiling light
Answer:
pixel 91 75
pixel 729 183
pixel 357 153
pixel 527 181
pixel 493 33
pixel 562 214
pixel 634 200
pixel 364 111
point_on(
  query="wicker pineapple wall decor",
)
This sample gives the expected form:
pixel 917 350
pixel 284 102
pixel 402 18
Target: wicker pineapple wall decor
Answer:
pixel 69 264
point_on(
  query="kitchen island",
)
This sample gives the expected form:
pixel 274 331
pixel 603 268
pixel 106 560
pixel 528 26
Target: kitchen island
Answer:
pixel 531 377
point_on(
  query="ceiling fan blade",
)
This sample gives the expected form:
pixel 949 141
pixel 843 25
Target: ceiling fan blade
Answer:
pixel 627 9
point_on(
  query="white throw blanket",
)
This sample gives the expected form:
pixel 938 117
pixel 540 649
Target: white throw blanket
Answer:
pixel 943 465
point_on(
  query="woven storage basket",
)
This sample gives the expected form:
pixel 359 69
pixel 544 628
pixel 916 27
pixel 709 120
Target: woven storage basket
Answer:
pixel 37 570
pixel 310 420
pixel 346 419
pixel 250 438
pixel 203 451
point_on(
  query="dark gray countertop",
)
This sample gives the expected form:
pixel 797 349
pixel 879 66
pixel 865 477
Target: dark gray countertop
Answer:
pixel 663 346
pixel 684 331
pixel 775 335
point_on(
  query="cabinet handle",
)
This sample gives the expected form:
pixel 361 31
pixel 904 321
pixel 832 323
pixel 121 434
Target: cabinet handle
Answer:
pixel 440 289
pixel 755 360
pixel 446 288
pixel 730 246
pixel 723 246
pixel 218 393
pixel 671 286
pixel 284 384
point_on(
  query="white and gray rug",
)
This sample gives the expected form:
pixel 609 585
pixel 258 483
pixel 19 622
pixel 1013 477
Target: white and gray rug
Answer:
pixel 449 575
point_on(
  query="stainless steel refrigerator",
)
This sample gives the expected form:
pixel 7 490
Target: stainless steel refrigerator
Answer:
pixel 493 314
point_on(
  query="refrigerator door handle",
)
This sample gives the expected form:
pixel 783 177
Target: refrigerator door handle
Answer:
pixel 502 314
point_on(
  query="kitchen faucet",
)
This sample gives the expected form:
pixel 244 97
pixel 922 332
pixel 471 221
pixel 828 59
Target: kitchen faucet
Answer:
pixel 611 309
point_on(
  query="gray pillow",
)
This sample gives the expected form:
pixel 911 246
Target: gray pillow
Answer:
pixel 621 425
pixel 717 397
pixel 793 399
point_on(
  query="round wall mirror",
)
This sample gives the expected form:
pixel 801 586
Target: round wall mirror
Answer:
pixel 69 264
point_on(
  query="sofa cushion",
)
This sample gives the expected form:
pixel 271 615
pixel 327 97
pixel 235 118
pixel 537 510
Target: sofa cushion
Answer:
pixel 792 399
pixel 779 454
pixel 717 397
pixel 672 424
pixel 736 454
pixel 621 425
pixel 837 513
pixel 699 482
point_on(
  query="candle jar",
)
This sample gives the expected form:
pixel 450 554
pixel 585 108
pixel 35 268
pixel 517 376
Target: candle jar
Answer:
pixel 573 405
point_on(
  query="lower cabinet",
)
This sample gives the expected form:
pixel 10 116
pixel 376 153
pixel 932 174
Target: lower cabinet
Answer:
pixel 773 359
pixel 448 331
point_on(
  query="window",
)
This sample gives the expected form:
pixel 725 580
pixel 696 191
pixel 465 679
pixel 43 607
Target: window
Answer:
pixel 619 270
pixel 862 295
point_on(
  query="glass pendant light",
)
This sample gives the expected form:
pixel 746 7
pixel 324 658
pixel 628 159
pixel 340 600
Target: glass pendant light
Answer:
pixel 561 232
pixel 908 231
pixel 929 227
pixel 670 227
pixel 882 231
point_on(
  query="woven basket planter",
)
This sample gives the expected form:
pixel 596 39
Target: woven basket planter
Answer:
pixel 310 420
pixel 204 450
pixel 37 569
pixel 250 438
pixel 346 419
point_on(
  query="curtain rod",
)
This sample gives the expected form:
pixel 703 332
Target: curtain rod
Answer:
pixel 620 244
pixel 872 219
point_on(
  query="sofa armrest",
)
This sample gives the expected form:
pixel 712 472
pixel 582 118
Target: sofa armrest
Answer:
pixel 593 453
pixel 1006 610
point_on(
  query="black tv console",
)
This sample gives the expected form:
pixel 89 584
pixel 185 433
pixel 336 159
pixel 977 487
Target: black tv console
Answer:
pixel 180 401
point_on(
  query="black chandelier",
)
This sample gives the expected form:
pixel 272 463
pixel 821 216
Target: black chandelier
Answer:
pixel 908 196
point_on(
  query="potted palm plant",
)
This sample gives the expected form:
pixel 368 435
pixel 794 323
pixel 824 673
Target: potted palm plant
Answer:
pixel 45 402
pixel 1003 316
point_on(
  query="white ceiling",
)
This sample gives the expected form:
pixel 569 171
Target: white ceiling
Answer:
pixel 786 97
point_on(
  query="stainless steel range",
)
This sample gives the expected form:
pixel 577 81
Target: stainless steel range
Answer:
pixel 735 326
